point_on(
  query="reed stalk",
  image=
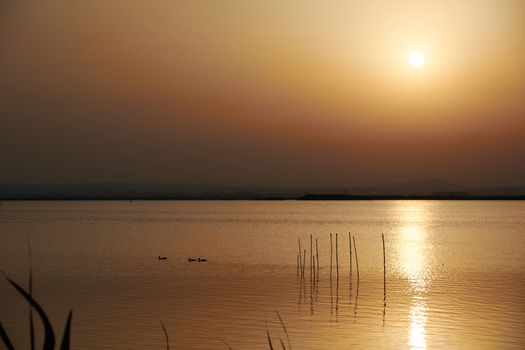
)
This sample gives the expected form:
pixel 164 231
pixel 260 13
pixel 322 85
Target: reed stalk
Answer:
pixel 5 338
pixel 285 330
pixel 356 261
pixel 30 290
pixel 297 265
pixel 350 253
pixel 384 267
pixel 299 243
pixel 165 335
pixel 312 272
pixel 317 253
pixel 49 335
pixel 269 339
pixel 311 253
pixel 331 255
pixel 337 254
pixel 304 261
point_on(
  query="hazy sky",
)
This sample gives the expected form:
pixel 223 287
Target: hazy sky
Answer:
pixel 274 92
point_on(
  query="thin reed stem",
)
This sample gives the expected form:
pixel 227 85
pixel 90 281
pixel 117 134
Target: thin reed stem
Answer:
pixel 269 339
pixel 30 290
pixel 331 255
pixel 304 261
pixel 311 253
pixel 165 335
pixel 317 253
pixel 384 267
pixel 350 253
pixel 356 261
pixel 312 272
pixel 337 254
pixel 297 264
pixel 285 330
pixel 300 252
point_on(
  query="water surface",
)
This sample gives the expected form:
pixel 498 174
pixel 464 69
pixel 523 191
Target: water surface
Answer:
pixel 455 273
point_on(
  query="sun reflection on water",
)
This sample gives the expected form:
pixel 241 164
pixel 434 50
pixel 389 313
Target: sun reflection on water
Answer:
pixel 413 264
pixel 418 318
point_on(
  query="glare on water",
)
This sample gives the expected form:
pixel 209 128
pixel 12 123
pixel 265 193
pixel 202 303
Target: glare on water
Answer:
pixel 414 264
pixel 455 273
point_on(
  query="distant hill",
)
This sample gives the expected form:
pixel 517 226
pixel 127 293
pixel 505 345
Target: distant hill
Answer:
pixel 434 187
pixel 407 188
pixel 139 191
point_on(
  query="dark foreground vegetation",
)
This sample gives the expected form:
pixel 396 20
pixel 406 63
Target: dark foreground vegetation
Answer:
pixel 50 342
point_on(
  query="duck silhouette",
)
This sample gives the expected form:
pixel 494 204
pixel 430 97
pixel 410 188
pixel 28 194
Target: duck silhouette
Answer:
pixel 202 260
pixel 163 257
pixel 191 259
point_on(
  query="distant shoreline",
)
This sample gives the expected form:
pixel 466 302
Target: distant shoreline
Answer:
pixel 307 197
pixel 434 189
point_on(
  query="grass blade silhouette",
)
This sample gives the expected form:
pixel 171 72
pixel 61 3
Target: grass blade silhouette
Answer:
pixel 31 323
pixel 269 339
pixel 165 335
pixel 285 330
pixel 5 338
pixel 49 339
pixel 67 331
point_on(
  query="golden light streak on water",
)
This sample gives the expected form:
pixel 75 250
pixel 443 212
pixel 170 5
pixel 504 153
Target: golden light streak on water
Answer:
pixel 414 264
pixel 455 273
pixel 418 319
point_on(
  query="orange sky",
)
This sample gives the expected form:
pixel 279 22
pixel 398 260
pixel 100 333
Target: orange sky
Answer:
pixel 262 92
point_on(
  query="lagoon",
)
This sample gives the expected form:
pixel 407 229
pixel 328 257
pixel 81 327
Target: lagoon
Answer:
pixel 455 273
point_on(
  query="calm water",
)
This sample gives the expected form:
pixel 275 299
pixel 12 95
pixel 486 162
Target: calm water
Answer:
pixel 455 273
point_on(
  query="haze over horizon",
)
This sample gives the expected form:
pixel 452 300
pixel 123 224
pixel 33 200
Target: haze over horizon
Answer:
pixel 274 93
pixel 423 182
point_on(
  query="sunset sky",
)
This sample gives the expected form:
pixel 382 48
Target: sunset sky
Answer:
pixel 267 93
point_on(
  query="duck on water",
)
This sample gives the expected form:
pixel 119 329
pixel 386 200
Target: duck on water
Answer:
pixel 189 259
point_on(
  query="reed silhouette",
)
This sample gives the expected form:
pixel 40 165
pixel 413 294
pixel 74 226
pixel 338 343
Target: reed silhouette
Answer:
pixel 356 261
pixel 350 254
pixel 334 289
pixel 165 335
pixel 49 342
pixel 337 255
pixel 317 255
pixel 31 324
pixel 49 333
pixel 281 342
pixel 384 268
pixel 331 255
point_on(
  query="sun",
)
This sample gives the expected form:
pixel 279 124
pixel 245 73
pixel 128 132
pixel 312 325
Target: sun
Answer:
pixel 416 59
